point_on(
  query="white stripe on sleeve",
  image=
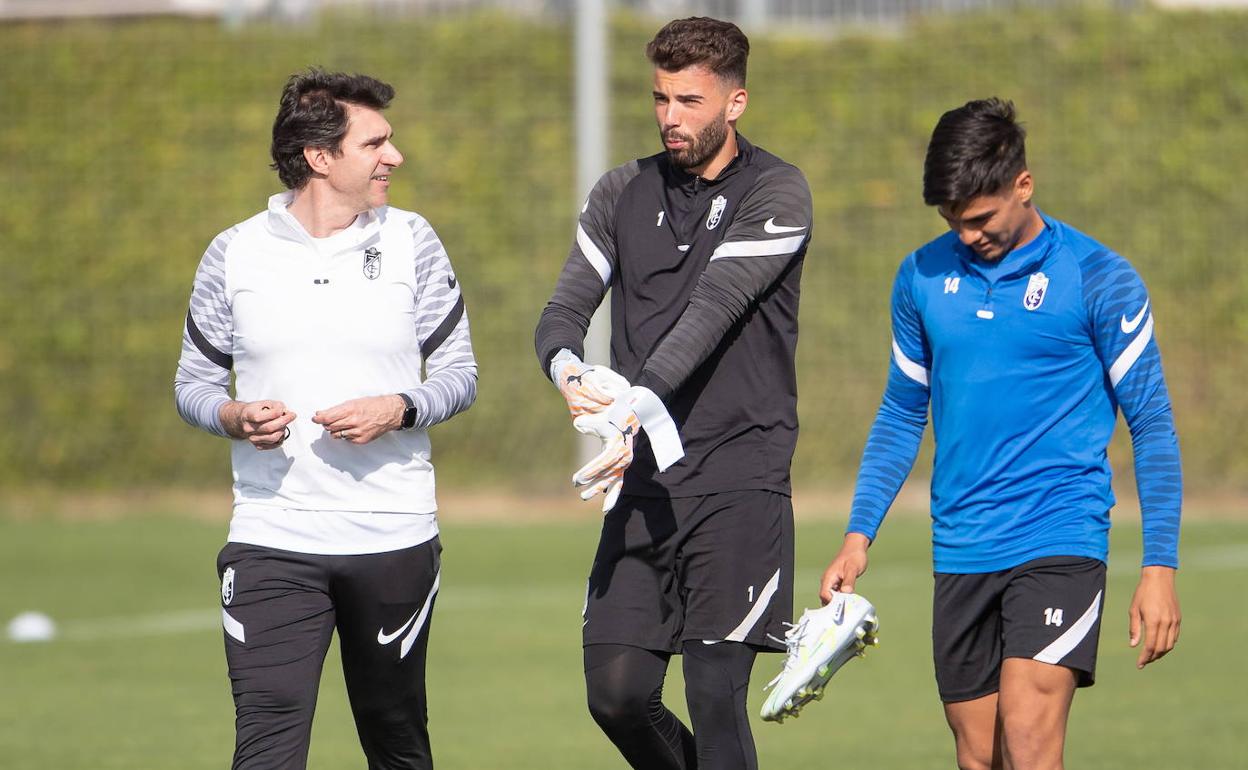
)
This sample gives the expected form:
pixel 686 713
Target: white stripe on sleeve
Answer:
pixel 1131 354
pixel 774 247
pixel 909 368
pixel 595 256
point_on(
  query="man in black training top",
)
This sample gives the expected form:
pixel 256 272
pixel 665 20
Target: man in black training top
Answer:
pixel 702 248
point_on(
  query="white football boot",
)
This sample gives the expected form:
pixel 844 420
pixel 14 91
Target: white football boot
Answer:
pixel 819 643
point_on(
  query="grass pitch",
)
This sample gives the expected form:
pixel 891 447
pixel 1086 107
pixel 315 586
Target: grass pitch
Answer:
pixel 136 678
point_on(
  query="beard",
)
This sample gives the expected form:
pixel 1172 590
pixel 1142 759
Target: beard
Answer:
pixel 699 149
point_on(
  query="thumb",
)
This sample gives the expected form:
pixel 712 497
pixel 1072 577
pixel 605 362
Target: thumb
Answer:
pixel 1134 625
pixel 830 584
pixel 591 424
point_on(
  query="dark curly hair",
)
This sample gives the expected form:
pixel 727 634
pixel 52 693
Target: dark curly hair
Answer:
pixel 720 46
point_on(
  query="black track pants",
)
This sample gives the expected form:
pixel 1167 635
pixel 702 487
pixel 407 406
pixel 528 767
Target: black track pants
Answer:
pixel 280 610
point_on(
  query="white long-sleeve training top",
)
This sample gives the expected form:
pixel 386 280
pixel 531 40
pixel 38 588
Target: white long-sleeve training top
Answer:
pixel 314 322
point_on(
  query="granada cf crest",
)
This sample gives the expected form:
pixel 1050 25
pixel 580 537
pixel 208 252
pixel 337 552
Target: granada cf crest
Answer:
pixel 1037 287
pixel 227 586
pixel 372 263
pixel 717 212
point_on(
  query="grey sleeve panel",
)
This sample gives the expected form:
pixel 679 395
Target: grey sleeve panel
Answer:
pixel 450 385
pixel 202 382
pixel 587 272
pixel 772 228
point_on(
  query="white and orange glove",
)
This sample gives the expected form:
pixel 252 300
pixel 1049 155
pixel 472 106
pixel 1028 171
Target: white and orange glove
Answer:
pixel 587 389
pixel 635 409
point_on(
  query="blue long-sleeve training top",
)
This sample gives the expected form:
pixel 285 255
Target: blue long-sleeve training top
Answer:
pixel 1025 363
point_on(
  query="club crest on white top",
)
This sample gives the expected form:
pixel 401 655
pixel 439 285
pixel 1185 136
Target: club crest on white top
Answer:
pixel 372 263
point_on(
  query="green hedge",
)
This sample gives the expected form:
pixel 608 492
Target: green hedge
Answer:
pixel 127 146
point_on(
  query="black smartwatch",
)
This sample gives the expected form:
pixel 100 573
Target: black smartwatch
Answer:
pixel 409 412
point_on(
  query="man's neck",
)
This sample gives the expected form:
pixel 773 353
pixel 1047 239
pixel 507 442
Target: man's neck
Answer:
pixel 1035 226
pixel 319 214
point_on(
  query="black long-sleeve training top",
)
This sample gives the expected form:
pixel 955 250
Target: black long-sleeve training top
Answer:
pixel 704 278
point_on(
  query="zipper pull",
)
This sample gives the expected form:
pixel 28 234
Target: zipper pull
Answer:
pixel 985 312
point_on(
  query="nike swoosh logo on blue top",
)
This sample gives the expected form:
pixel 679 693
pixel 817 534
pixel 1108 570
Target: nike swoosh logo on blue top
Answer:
pixel 384 638
pixel 775 229
pixel 1130 326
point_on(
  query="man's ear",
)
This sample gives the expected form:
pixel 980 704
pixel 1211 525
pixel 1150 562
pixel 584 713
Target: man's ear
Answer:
pixel 1024 186
pixel 737 101
pixel 318 159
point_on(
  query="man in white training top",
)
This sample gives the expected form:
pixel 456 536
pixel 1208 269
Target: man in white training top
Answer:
pixel 326 306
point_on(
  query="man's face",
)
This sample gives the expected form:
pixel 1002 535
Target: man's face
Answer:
pixel 360 173
pixel 693 108
pixel 993 225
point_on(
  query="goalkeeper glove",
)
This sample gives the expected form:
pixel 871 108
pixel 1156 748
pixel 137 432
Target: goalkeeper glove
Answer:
pixel 605 473
pixel 587 389
pixel 633 410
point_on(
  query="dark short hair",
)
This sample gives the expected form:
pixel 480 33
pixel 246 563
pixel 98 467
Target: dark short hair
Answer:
pixel 720 46
pixel 312 113
pixel 977 149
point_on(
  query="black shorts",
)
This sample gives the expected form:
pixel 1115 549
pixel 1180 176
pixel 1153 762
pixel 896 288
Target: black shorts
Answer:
pixel 715 567
pixel 1047 609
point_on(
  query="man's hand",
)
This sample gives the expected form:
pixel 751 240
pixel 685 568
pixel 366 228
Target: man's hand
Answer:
pixel 263 423
pixel 605 473
pixel 850 562
pixel 635 409
pixel 1154 615
pixel 361 420
pixel 587 389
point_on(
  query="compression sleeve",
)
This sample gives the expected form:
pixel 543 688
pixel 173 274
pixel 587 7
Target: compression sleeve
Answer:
pixel 201 384
pixel 1121 321
pixel 893 443
pixel 450 385
pixel 587 272
pixel 771 228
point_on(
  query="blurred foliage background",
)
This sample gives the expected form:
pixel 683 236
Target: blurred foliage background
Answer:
pixel 127 145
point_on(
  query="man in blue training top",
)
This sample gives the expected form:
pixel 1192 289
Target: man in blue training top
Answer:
pixel 1025 336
